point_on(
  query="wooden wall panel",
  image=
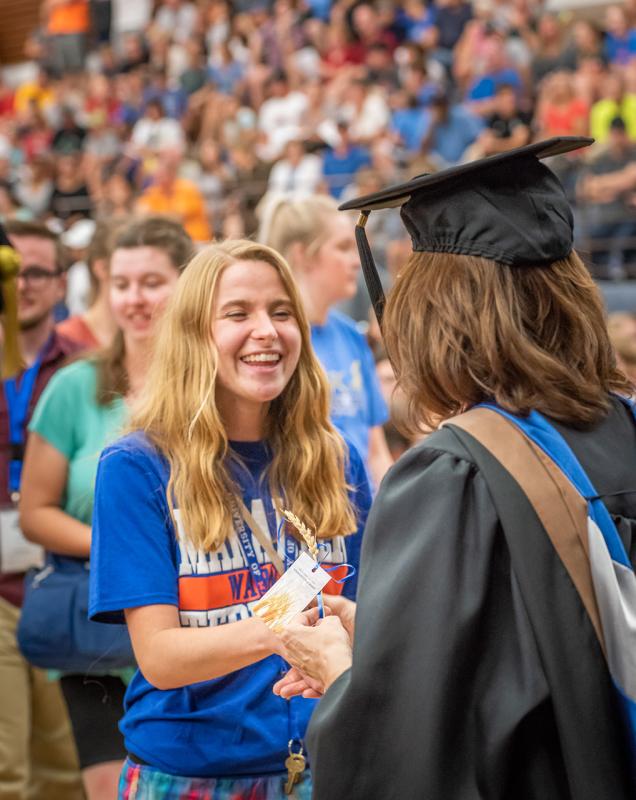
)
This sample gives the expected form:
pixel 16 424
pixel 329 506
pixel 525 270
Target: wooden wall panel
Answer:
pixel 18 18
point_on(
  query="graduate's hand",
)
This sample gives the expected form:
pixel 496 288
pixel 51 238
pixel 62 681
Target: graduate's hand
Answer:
pixel 294 683
pixel 343 608
pixel 321 652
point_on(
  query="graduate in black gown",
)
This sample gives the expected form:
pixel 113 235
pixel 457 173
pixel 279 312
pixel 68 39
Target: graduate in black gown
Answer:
pixel 466 676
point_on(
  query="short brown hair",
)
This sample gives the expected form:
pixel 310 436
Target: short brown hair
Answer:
pixel 163 233
pixel 18 227
pixel 461 330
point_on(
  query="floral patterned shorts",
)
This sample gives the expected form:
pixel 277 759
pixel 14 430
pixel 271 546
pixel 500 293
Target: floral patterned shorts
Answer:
pixel 140 782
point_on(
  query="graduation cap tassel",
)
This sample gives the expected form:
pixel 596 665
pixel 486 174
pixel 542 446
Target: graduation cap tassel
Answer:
pixel 369 270
pixel 9 265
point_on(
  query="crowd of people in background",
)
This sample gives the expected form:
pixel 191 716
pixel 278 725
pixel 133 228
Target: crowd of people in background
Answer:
pixel 207 109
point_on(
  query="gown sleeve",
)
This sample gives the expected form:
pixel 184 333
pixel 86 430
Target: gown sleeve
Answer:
pixel 446 685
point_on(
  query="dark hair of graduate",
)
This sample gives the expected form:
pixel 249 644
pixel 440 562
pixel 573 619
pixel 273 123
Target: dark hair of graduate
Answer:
pixel 461 329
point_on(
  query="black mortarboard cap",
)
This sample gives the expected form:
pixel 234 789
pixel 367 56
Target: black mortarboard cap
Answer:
pixel 509 208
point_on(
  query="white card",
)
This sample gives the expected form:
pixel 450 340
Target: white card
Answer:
pixel 17 554
pixel 292 592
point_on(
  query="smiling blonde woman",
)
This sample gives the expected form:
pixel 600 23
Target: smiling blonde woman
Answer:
pixel 234 418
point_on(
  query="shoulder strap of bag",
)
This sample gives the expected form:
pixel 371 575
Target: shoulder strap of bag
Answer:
pixel 560 508
pixel 264 540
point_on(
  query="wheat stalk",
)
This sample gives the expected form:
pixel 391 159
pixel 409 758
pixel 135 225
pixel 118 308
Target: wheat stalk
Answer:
pixel 308 535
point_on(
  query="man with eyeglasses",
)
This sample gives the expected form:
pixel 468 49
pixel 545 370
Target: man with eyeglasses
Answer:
pixel 37 752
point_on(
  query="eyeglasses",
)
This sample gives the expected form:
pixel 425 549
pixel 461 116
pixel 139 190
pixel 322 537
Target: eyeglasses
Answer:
pixel 37 276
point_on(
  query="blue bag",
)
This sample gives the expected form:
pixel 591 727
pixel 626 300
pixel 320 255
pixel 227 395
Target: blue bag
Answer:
pixel 54 631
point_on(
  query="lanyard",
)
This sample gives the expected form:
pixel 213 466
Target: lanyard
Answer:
pixel 18 399
pixel 247 546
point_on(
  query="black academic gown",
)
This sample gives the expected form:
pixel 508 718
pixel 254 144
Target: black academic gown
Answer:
pixel 470 679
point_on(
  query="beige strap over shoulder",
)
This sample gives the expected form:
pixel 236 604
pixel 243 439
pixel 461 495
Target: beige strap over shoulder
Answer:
pixel 560 508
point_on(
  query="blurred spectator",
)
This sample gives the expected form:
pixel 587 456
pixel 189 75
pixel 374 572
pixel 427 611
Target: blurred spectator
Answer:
pixel 176 197
pixel 506 127
pixel 320 247
pixel 560 112
pixel 193 77
pixel 70 199
pixel 587 41
pixel 7 99
pixel 34 133
pixel 614 102
pixel 78 282
pixel 67 28
pixel 452 129
pixel 117 197
pixel 172 98
pixel 250 184
pixel 381 67
pixel 280 116
pixel 102 144
pixel 551 53
pixel 225 71
pixel 69 137
pixel 621 327
pixel 10 207
pixel 35 185
pixel 416 20
pixel 366 110
pixel 155 131
pixel 496 70
pixel 177 18
pixel 341 162
pixel 101 17
pixel 620 36
pixel 409 122
pixel 450 20
pixel 95 326
pixel 608 187
pixel 368 29
pixel 129 18
pixel 212 174
pixel 298 174
pixel 40 93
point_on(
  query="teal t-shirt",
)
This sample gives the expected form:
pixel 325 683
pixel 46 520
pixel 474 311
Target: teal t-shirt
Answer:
pixel 69 418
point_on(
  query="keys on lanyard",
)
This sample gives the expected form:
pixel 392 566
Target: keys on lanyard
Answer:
pixel 295 765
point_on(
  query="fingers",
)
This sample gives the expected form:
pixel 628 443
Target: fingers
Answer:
pixel 293 689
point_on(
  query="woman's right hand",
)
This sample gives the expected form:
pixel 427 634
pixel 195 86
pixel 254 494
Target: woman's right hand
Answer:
pixel 294 683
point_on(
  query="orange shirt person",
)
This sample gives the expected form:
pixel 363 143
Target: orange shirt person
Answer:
pixel 176 197
pixel 67 17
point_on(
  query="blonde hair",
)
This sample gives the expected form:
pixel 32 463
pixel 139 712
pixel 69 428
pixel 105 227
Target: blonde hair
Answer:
pixel 179 415
pixel 287 222
pixel 460 330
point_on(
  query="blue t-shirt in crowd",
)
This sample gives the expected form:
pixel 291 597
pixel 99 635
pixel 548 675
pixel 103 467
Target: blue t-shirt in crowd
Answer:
pixel 411 124
pixel 357 404
pixel 340 169
pixel 485 88
pixel 620 50
pixel 232 725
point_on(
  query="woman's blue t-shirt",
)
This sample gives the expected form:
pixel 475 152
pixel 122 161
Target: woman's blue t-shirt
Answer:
pixel 233 725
